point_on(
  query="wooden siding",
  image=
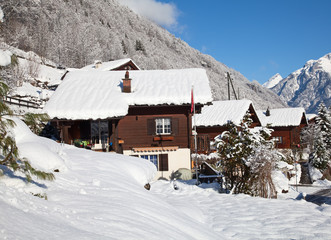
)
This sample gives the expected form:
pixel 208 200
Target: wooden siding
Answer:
pixel 127 66
pixel 290 136
pixel 137 129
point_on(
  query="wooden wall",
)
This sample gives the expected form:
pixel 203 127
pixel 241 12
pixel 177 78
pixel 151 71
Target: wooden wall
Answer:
pixel 290 136
pixel 128 66
pixel 134 131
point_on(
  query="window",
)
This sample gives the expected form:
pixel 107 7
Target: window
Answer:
pixel 163 125
pixel 278 140
pixel 151 158
pixel 160 161
pixel 99 131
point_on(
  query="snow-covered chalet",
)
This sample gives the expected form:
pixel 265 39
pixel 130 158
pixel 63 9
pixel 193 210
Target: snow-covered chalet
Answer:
pixel 143 113
pixel 286 124
pixel 213 119
pixel 115 65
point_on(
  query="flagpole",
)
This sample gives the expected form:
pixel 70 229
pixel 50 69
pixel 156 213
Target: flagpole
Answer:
pixel 195 138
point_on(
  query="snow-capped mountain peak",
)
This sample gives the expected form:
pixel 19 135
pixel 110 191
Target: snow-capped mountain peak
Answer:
pixel 322 64
pixel 308 86
pixel 273 81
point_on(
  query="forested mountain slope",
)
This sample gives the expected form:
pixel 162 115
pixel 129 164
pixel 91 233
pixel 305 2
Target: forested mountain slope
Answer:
pixel 74 33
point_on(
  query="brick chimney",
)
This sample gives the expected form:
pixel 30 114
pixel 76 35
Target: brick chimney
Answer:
pixel 126 83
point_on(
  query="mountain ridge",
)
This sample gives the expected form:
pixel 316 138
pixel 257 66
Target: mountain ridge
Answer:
pixel 75 33
pixel 308 86
pixel 273 81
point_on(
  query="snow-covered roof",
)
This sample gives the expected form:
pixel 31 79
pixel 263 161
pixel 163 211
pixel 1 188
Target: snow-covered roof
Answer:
pixel 311 116
pixel 98 94
pixel 111 65
pixel 281 117
pixel 220 112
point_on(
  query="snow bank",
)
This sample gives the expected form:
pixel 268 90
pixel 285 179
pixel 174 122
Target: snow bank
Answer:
pixel 32 65
pixel 48 155
pixel 101 196
pixel 5 57
pixel 280 181
pixel 314 173
pixel 43 153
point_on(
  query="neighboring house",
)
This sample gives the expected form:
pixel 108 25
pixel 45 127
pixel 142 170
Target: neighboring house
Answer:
pixel 311 118
pixel 286 123
pixel 139 113
pixel 116 65
pixel 213 118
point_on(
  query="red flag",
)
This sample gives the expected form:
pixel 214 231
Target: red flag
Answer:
pixel 192 101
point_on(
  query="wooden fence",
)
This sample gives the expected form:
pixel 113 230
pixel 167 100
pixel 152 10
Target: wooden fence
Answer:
pixel 21 103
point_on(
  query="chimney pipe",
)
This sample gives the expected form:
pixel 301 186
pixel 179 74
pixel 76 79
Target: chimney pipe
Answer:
pixel 126 83
pixel 267 113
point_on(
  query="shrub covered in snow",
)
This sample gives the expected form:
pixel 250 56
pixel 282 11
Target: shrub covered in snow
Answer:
pixel 248 158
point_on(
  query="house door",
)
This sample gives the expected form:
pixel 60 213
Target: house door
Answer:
pixel 99 134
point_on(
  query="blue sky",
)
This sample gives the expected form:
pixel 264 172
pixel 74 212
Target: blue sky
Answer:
pixel 258 38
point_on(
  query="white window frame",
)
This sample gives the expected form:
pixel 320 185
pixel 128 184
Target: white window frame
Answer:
pixel 152 159
pixel 163 125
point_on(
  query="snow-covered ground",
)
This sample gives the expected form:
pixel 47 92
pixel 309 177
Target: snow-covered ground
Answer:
pixel 102 196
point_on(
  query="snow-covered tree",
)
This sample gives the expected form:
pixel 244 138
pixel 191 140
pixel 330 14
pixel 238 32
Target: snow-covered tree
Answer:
pixel 247 158
pixel 262 163
pixel 233 152
pixel 9 155
pixel 322 141
pixel 307 137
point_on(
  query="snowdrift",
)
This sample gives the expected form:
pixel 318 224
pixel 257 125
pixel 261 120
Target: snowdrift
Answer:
pixel 101 196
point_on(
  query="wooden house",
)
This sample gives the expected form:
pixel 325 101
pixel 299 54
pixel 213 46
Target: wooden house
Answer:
pixel 144 114
pixel 286 123
pixel 213 118
pixel 115 65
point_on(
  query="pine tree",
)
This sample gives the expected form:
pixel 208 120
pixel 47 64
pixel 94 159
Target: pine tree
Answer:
pixel 322 140
pixel 234 148
pixel 247 158
pixel 8 149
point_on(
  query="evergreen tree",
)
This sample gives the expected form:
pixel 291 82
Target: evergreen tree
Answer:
pixel 247 158
pixel 234 148
pixel 8 150
pixel 322 140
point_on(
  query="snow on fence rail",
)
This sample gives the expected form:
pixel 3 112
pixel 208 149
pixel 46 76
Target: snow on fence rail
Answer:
pixel 21 102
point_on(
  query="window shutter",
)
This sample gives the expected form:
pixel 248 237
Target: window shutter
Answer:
pixel 174 126
pixel 163 162
pixel 151 126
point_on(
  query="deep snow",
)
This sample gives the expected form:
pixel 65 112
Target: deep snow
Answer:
pixel 101 196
